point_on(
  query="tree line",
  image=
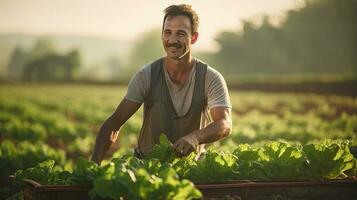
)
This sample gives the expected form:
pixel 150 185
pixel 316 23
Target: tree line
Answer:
pixel 321 37
pixel 43 63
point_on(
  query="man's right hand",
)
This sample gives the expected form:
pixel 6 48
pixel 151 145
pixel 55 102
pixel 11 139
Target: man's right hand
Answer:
pixel 109 131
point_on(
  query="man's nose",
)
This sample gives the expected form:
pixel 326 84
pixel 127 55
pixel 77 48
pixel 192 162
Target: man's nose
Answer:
pixel 172 38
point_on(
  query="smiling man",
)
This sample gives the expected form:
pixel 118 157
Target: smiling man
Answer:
pixel 183 97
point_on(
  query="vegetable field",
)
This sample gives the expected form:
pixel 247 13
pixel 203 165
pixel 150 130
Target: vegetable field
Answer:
pixel 47 133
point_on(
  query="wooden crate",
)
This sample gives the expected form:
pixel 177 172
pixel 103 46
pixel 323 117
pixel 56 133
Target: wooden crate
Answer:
pixel 345 189
pixel 36 191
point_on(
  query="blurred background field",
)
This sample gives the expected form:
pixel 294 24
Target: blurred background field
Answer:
pixel 290 66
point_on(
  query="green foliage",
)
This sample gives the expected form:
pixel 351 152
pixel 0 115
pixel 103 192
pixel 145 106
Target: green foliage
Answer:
pixel 24 155
pixel 131 178
pixel 61 120
pixel 139 184
pixel 122 178
pixel 45 173
pixel 336 153
pixel 85 172
pixel 213 167
pixel 258 117
pixel 162 151
pixel 21 131
pixel 41 172
pixel 277 160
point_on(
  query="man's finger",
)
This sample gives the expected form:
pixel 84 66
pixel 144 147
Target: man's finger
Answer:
pixel 187 150
pixel 179 143
pixel 176 146
pixel 180 148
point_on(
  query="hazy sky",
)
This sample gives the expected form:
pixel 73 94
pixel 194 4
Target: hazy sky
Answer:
pixel 127 19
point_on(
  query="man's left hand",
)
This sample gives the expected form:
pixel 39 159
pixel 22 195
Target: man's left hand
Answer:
pixel 186 144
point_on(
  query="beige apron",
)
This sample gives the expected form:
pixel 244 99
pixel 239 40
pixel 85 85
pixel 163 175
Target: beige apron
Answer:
pixel 160 115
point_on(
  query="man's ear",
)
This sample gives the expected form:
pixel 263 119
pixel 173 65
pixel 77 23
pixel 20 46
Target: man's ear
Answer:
pixel 194 37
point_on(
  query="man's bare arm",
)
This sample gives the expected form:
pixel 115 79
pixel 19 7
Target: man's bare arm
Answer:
pixel 219 128
pixel 108 133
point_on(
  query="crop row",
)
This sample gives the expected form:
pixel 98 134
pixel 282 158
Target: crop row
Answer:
pixel 162 173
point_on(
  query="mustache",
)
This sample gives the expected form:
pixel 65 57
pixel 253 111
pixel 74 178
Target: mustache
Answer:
pixel 177 45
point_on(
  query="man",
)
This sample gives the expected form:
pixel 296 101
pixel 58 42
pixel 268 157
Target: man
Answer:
pixel 178 92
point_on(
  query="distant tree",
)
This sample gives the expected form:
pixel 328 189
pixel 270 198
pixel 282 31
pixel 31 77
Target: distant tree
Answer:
pixel 21 58
pixel 17 61
pixel 321 37
pixel 53 67
pixel 73 65
pixel 42 47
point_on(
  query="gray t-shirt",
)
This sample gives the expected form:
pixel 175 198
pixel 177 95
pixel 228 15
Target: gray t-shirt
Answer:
pixel 216 89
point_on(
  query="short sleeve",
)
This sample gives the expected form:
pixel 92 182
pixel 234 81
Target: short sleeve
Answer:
pixel 139 85
pixel 216 90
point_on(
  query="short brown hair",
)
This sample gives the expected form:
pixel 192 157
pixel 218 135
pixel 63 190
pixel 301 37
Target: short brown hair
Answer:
pixel 185 10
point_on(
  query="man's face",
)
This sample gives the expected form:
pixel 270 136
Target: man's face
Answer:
pixel 177 36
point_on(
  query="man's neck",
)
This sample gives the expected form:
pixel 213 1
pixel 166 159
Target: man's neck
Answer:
pixel 178 69
pixel 179 66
